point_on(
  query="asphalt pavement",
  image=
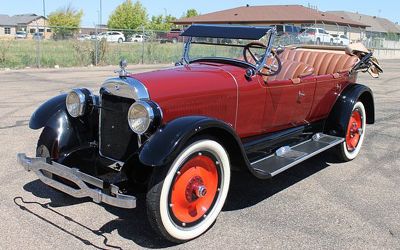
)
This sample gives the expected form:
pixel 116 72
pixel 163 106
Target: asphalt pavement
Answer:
pixel 319 204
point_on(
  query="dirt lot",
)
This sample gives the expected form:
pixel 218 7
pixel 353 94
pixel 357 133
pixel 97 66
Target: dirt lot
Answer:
pixel 318 204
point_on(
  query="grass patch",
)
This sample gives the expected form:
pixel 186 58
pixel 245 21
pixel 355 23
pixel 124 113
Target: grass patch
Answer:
pixel 26 53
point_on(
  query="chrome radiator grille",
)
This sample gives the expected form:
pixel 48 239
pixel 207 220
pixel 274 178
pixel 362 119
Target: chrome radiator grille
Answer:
pixel 117 140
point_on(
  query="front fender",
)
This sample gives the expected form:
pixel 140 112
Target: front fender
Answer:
pixel 46 110
pixel 338 119
pixel 63 133
pixel 166 143
pixel 60 134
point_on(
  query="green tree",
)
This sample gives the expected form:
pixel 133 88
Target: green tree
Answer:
pixel 161 23
pixel 65 21
pixel 128 15
pixel 191 13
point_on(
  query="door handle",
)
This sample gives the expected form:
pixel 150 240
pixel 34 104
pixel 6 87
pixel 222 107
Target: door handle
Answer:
pixel 300 95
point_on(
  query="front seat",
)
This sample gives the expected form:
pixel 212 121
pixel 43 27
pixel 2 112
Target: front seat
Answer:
pixel 291 70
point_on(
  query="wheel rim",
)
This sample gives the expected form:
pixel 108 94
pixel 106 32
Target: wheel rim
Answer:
pixel 354 130
pixel 194 189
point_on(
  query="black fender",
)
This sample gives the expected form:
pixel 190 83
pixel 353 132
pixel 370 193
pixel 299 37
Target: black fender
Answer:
pixel 59 135
pixel 168 141
pixel 46 110
pixel 336 123
pixel 61 132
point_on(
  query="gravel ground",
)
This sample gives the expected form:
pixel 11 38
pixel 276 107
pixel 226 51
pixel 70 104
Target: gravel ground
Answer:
pixel 317 204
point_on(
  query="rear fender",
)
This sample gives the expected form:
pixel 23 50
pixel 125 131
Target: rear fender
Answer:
pixel 337 121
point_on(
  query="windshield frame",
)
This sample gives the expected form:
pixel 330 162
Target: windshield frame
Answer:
pixel 258 66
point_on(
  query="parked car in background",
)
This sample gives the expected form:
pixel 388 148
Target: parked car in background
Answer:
pixel 83 37
pixel 340 39
pixel 37 36
pixel 315 36
pixel 172 36
pixel 287 29
pixel 20 35
pixel 138 38
pixel 110 36
pixel 287 34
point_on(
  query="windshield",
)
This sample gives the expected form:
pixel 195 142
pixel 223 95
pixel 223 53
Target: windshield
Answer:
pixel 225 49
pixel 234 44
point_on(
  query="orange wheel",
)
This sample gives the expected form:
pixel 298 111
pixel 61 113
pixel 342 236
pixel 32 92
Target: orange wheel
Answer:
pixel 354 130
pixel 184 200
pixel 194 188
pixel 355 133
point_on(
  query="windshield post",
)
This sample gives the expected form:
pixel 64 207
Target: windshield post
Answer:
pixel 270 41
pixel 185 57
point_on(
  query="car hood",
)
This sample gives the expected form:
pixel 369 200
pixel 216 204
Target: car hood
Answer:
pixel 197 78
pixel 195 89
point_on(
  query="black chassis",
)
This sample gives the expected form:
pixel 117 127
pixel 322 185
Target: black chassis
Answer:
pixel 77 143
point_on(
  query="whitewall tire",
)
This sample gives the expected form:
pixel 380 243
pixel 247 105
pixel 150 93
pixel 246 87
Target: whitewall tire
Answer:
pixel 355 133
pixel 185 201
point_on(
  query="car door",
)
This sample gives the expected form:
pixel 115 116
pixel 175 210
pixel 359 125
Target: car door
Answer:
pixel 110 37
pixel 322 36
pixel 327 89
pixel 288 103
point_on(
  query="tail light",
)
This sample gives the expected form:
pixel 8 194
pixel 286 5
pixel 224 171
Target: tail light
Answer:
pixel 311 33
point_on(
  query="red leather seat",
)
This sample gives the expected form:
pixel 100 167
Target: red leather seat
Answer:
pixel 291 70
pixel 323 62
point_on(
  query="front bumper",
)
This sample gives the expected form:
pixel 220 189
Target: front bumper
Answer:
pixel 81 180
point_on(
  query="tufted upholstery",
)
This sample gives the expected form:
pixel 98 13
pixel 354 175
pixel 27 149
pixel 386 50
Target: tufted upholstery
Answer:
pixel 291 70
pixel 323 62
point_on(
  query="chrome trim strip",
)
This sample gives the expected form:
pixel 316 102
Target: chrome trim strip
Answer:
pixel 126 87
pixel 271 37
pixel 82 102
pixel 328 146
pixel 185 57
pixel 316 137
pixel 150 113
pixel 237 95
pixel 38 164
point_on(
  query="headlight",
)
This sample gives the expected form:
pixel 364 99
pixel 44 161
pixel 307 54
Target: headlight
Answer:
pixel 77 101
pixel 143 115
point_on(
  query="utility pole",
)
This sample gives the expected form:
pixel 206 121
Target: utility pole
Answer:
pixel 44 21
pixel 44 8
pixel 101 12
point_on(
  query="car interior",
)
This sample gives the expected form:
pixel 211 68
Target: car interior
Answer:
pixel 300 62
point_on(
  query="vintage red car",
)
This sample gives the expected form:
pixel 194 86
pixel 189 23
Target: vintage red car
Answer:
pixel 179 132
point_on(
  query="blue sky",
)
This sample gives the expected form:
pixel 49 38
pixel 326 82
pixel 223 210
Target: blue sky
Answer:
pixel 382 8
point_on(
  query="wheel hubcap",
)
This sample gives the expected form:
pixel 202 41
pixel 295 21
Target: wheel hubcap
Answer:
pixel 354 130
pixel 194 189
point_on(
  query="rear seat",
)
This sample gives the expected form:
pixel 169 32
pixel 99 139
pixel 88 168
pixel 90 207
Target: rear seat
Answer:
pixel 323 62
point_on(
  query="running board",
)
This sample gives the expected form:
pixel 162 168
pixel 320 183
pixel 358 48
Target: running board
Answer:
pixel 286 157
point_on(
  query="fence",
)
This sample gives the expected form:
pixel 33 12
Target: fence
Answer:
pixel 71 47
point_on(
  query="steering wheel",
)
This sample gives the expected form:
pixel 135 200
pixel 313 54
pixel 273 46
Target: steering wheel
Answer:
pixel 272 65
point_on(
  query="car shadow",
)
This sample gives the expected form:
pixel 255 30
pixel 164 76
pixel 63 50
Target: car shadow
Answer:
pixel 131 224
pixel 245 191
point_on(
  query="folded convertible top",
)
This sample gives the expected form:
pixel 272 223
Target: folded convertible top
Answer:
pixel 226 31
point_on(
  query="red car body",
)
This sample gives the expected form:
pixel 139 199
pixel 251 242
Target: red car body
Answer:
pixel 179 132
pixel 251 106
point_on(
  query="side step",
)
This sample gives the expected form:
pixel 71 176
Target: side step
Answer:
pixel 286 157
